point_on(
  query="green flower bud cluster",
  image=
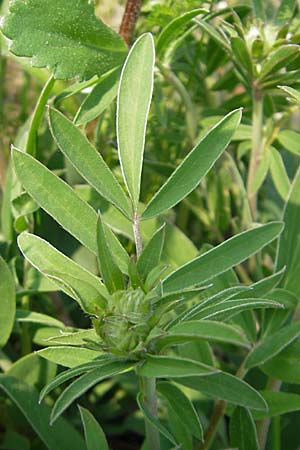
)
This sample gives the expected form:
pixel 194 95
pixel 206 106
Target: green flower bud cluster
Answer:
pixel 124 325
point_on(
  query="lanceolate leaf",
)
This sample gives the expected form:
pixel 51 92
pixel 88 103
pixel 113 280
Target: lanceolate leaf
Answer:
pixel 112 275
pixel 278 172
pixel 226 387
pixel 68 356
pixel 102 95
pixel 182 407
pixel 59 437
pixel 172 29
pixel 7 302
pixel 63 35
pixel 134 99
pixel 172 367
pixel 59 200
pixel 202 330
pixel 221 258
pixel 242 430
pixel 272 345
pixel 87 160
pixel 285 366
pixel 85 382
pixel 47 260
pixel 295 95
pixel 288 253
pixel 153 420
pixel 151 254
pixel 278 59
pixel 94 436
pixel 195 166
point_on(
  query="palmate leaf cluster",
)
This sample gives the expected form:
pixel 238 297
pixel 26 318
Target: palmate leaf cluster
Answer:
pixel 144 310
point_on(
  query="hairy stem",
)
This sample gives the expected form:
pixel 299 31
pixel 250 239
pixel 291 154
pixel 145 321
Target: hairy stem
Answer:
pixel 130 17
pixel 148 387
pixel 37 116
pixel 137 234
pixel 257 147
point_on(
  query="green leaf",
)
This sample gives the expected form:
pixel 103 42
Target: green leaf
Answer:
pixel 226 387
pixel 182 407
pixel 77 338
pixel 288 253
pixel 134 98
pixel 194 167
pixel 272 345
pixel 279 176
pixel 242 55
pixel 67 375
pixel 259 9
pixel 33 317
pixel 64 36
pixel 231 307
pixel 220 39
pixel 285 12
pixel 261 172
pixel 171 29
pixel 221 258
pixel 153 420
pixel 48 260
pixel 201 330
pixel 100 98
pixel 285 366
pixel 33 370
pixel 68 356
pixel 295 95
pixel 172 367
pixel 87 161
pixel 62 436
pixel 279 403
pixel 151 254
pixel 84 383
pixel 242 430
pixel 94 436
pixel 7 302
pixel 290 140
pixel 112 275
pixel 279 58
pixel 59 200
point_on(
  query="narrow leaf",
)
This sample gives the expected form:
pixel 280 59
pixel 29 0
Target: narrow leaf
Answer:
pixel 290 140
pixel 112 275
pixel 280 57
pixel 68 356
pixel 167 366
pixel 242 430
pixel 226 387
pixel 278 172
pixel 294 95
pixel 85 382
pixel 33 317
pixel 202 330
pixel 94 436
pixel 194 167
pixel 85 158
pixel 151 254
pixel 102 95
pixel 48 260
pixel 221 258
pixel 7 302
pixel 62 436
pixel 272 345
pixel 182 407
pixel 285 366
pixel 133 106
pixel 153 420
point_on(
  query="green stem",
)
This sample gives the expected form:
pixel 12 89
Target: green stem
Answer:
pixel 137 234
pixel 37 116
pixel 264 424
pixel 148 387
pixel 257 147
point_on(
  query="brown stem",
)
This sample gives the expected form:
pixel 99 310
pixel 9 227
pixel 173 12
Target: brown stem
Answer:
pixel 130 17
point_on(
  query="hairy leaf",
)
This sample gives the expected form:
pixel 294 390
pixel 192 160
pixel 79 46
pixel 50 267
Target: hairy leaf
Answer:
pixel 7 302
pixel 94 436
